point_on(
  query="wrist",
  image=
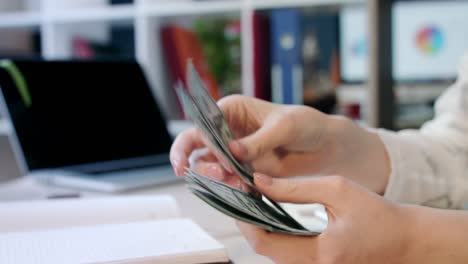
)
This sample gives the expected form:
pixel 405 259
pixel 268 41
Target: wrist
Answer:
pixel 360 153
pixel 434 235
pixel 409 231
pixel 420 232
pixel 380 165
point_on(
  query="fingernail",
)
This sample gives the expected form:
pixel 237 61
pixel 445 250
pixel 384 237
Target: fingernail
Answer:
pixel 175 166
pixel 226 165
pixel 263 179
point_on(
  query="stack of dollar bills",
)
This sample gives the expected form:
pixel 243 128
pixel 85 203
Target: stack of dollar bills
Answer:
pixel 251 207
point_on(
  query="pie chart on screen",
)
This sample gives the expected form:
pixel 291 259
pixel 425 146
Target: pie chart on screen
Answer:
pixel 430 40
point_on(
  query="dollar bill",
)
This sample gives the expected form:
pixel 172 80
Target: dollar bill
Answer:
pixel 213 136
pixel 244 202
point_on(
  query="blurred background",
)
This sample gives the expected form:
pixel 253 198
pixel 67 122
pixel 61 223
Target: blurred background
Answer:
pixel 287 51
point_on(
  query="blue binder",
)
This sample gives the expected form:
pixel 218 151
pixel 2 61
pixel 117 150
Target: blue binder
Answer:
pixel 286 56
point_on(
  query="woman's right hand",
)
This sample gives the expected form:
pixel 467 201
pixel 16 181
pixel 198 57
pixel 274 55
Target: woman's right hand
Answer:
pixel 289 140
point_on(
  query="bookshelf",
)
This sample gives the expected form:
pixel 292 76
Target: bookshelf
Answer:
pixel 20 19
pixel 180 8
pixel 93 14
pixel 270 4
pixel 57 20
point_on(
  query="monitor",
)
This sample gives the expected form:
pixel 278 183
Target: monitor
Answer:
pixel 353 44
pixel 428 40
pixel 75 113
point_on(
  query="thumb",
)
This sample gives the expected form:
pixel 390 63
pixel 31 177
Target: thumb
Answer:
pixel 270 136
pixel 328 191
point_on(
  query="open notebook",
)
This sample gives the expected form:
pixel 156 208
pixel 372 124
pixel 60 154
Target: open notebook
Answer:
pixel 133 229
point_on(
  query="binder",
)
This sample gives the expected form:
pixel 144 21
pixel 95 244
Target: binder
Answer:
pixel 262 63
pixel 286 56
pixel 180 45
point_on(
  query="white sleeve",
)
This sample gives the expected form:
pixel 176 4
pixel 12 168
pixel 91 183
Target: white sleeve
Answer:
pixel 430 165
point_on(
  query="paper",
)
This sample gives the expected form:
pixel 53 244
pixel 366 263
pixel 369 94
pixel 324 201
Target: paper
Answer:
pixel 166 241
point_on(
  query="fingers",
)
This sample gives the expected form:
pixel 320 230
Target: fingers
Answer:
pixel 279 247
pixel 329 191
pixel 260 240
pixel 203 154
pixel 257 238
pixel 181 149
pixel 210 169
pixel 236 109
pixel 236 182
pixel 270 136
pixel 248 115
pixel 190 140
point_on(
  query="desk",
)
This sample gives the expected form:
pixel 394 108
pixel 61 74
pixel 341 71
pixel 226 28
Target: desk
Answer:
pixel 216 224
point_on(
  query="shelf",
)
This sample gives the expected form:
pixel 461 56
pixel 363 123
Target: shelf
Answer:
pixel 20 19
pixel 57 26
pixel 271 4
pixel 193 8
pixel 96 14
pixel 406 94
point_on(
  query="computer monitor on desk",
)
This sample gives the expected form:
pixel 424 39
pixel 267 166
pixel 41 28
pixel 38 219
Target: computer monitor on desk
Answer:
pixel 92 125
pixel 429 40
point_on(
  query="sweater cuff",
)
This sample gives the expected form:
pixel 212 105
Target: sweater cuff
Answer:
pixel 395 181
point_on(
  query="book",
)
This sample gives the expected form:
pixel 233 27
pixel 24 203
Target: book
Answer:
pixel 319 58
pixel 174 68
pixel 20 43
pixel 261 57
pixel 286 69
pixel 188 47
pixel 180 45
pixel 119 46
pixel 126 229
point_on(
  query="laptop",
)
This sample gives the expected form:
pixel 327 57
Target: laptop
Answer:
pixel 86 124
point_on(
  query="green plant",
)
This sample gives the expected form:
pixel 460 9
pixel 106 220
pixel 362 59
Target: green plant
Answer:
pixel 220 40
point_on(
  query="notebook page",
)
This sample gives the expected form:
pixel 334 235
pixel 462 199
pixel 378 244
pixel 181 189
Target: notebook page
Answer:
pixel 32 215
pixel 165 241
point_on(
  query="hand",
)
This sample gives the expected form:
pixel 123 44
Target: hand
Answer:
pixel 283 141
pixel 362 228
pixel 269 135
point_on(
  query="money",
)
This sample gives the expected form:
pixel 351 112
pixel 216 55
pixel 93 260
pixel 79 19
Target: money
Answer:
pixel 250 207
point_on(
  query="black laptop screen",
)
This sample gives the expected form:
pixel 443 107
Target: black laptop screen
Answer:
pixel 77 113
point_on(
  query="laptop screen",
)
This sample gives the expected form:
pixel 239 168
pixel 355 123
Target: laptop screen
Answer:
pixel 73 113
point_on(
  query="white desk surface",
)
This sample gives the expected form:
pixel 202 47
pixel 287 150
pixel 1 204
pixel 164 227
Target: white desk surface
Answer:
pixel 218 225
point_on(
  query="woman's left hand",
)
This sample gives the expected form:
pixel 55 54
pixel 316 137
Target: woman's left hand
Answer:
pixel 362 228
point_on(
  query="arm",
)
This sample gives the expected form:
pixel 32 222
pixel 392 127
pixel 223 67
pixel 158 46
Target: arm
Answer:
pixel 437 236
pixel 430 165
pixel 426 166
